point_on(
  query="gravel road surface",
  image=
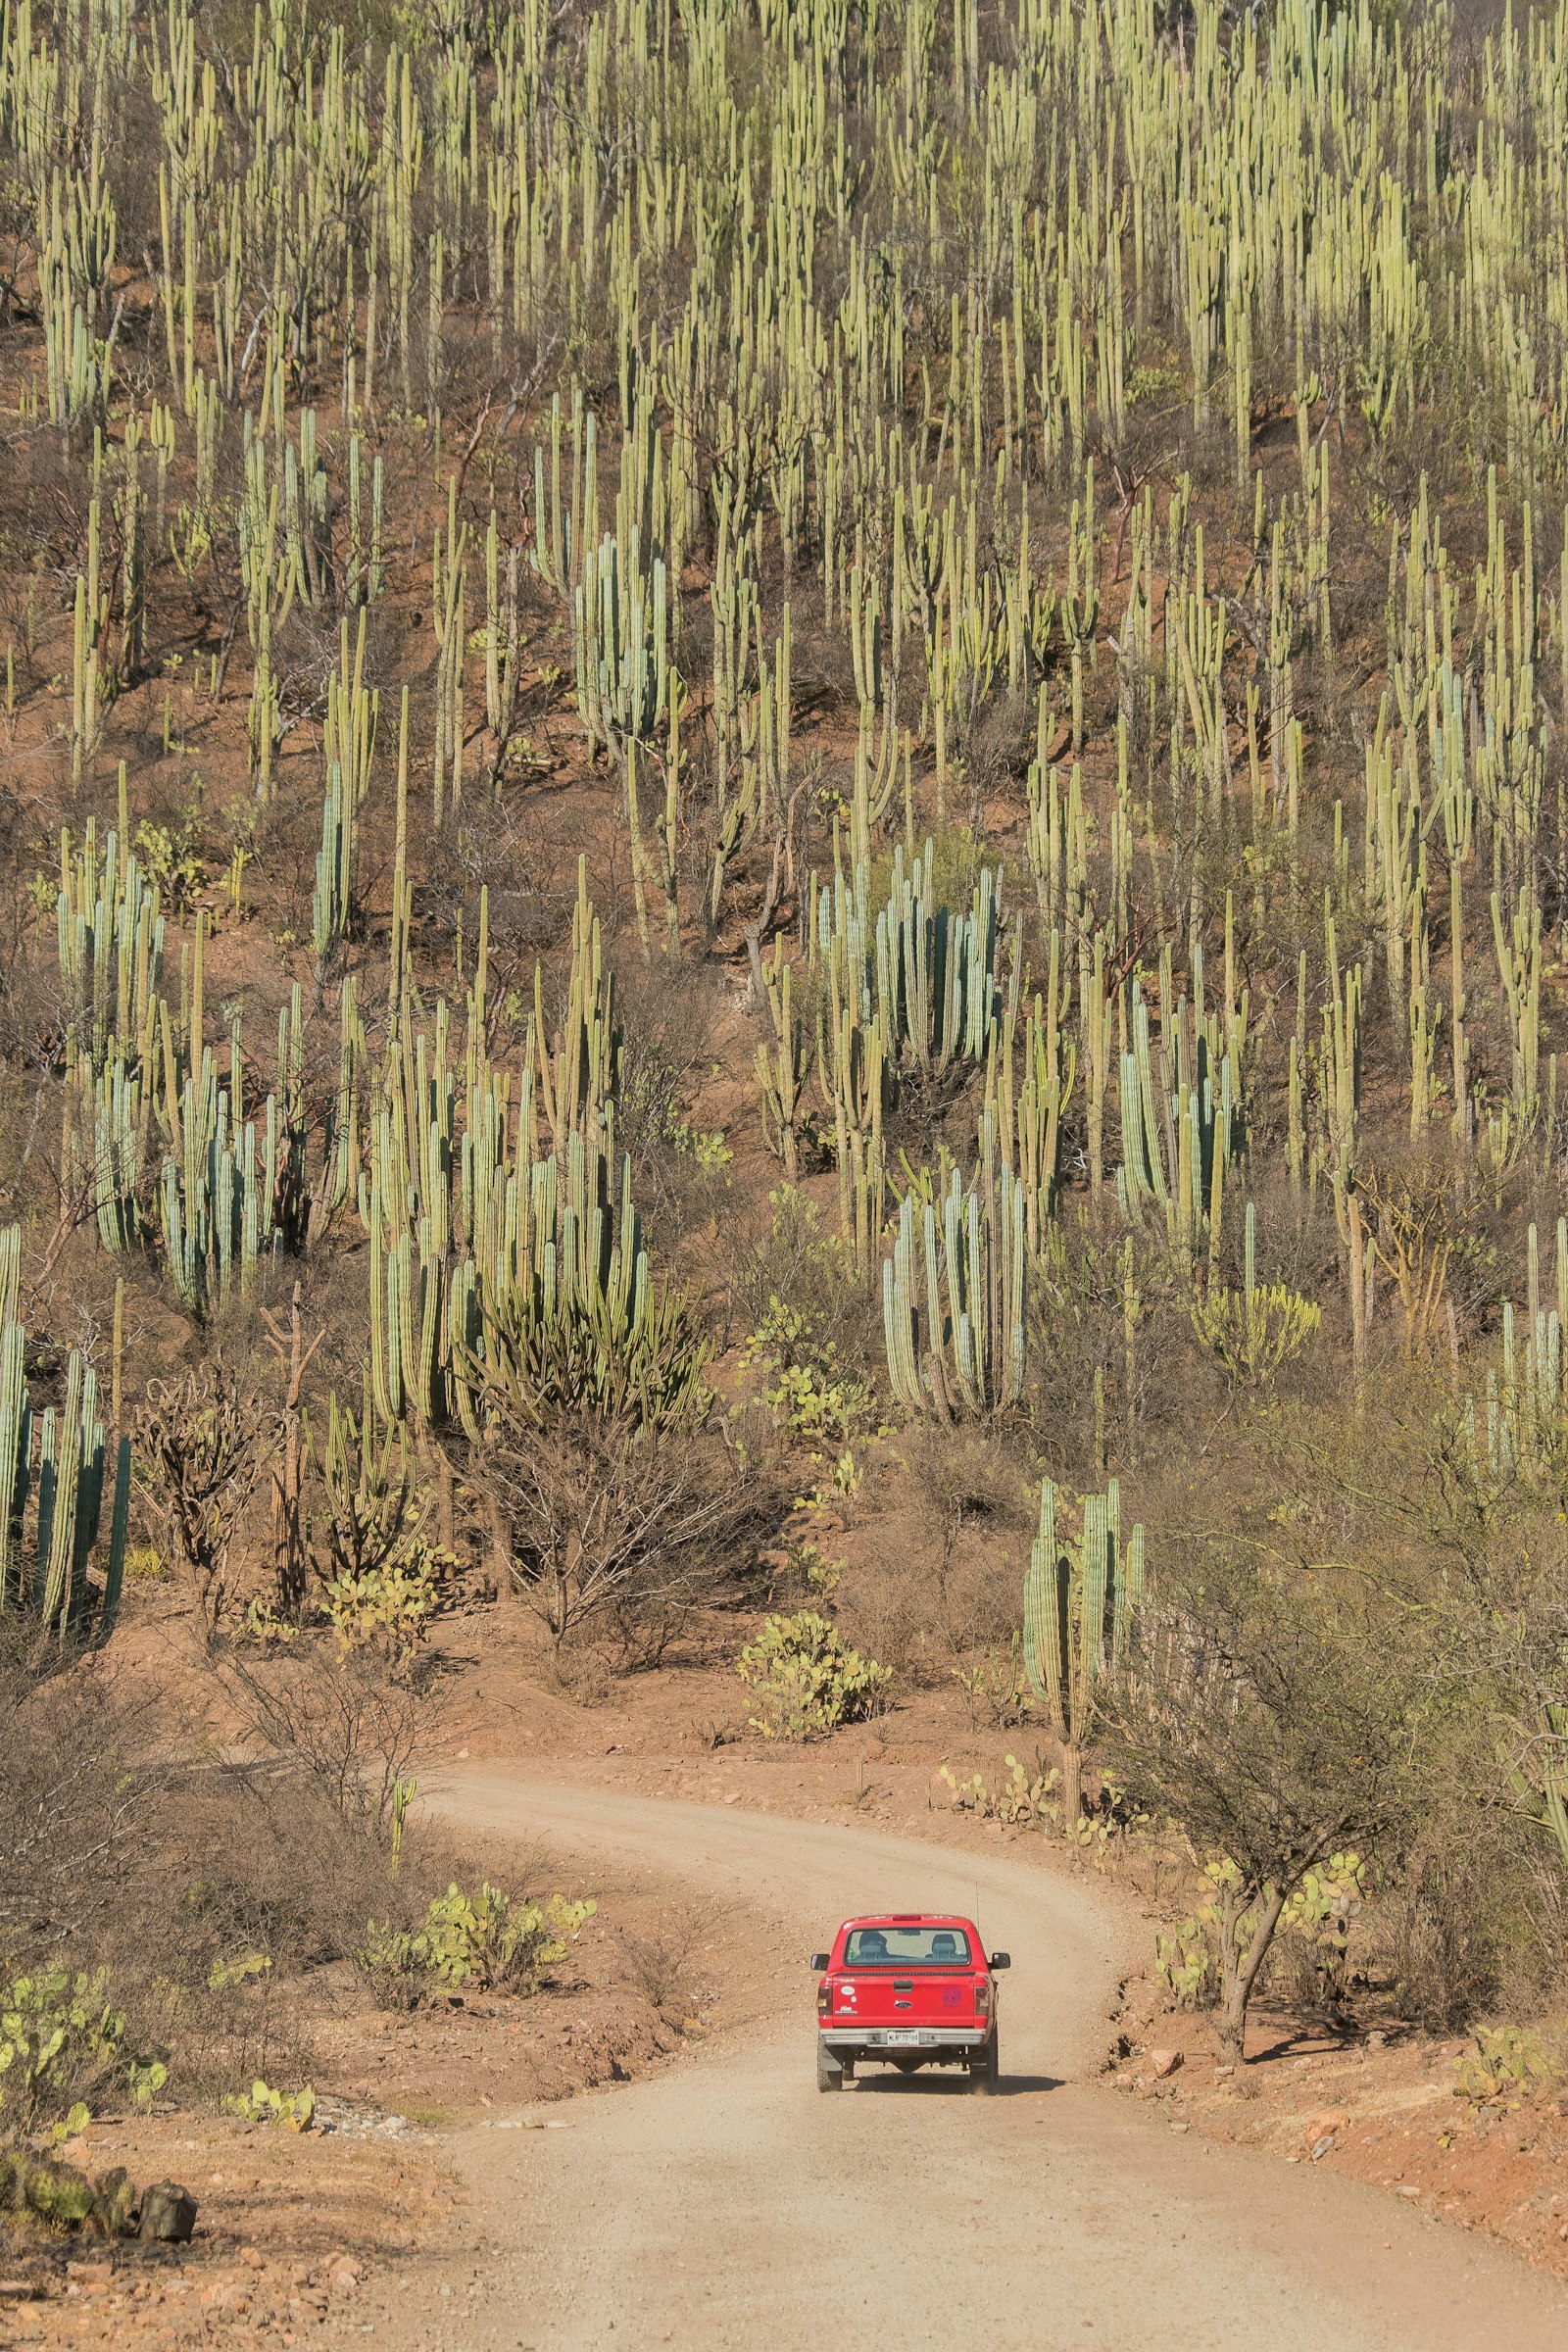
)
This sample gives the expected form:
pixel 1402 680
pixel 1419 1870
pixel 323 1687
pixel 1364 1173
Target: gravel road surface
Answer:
pixel 726 2203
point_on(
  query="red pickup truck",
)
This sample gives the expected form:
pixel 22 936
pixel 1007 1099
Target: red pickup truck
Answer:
pixel 909 1990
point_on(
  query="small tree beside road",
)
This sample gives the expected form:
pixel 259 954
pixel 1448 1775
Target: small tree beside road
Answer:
pixel 1254 1710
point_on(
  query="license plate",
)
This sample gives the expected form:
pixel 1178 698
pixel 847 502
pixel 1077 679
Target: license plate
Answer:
pixel 904 2039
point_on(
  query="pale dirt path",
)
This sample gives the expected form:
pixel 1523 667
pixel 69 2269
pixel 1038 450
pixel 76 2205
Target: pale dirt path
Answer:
pixel 728 2204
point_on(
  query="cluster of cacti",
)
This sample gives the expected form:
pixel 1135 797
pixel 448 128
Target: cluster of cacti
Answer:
pixel 219 1192
pixel 567 1309
pixel 111 943
pixel 872 350
pixel 52 1479
pixel 952 1297
pixel 1180 1134
pixel 1256 1329
pixel 1078 1593
pixel 1517 1427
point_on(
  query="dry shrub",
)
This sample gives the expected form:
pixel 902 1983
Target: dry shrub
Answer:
pixel 350 1726
pixel 661 1963
pixel 80 1797
pixel 206 1893
pixel 1439 1931
pixel 622 1530
pixel 942 1574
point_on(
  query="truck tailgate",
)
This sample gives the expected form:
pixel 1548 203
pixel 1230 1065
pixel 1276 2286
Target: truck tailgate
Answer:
pixel 883 1997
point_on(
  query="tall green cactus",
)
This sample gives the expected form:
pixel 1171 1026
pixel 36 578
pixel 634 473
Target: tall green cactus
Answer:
pixel 109 1135
pixel 219 1194
pixel 908 997
pixel 110 948
pixel 56 1459
pixel 1181 1123
pixel 1077 1598
pixel 332 901
pixel 564 1307
pixel 622 642
pixel 923 974
pixel 1028 1111
pixel 579 1076
pixel 953 1298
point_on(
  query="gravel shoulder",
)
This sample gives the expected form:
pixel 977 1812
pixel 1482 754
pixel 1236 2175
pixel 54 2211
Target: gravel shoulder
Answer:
pixel 725 2201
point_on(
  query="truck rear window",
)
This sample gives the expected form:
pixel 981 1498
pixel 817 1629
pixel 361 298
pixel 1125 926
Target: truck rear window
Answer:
pixel 906 1947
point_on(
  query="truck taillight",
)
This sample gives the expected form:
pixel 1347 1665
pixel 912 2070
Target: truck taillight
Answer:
pixel 982 1997
pixel 824 1999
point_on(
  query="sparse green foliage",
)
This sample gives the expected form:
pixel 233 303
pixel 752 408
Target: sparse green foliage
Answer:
pixel 1023 1801
pixel 262 2104
pixel 491 1940
pixel 1508 2064
pixel 62 2045
pixel 805 1680
pixel 816 1401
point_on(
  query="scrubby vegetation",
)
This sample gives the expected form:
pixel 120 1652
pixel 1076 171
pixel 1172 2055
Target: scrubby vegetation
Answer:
pixel 781 781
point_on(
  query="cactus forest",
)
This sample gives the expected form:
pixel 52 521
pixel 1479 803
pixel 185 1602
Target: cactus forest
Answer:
pixel 784 794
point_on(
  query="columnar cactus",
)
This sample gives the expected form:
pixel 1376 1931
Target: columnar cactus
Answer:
pixel 110 948
pixel 56 1460
pixel 952 1298
pixel 1077 1598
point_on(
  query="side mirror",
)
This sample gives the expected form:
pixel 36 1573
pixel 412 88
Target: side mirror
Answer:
pixel 1000 1960
pixel 820 1960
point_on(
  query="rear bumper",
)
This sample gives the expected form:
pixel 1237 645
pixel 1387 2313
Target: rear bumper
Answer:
pixel 887 2042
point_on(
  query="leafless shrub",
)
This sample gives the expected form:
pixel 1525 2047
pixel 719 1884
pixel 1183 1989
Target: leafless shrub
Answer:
pixel 206 1442
pixel 79 1796
pixel 352 1725
pixel 610 1521
pixel 659 1963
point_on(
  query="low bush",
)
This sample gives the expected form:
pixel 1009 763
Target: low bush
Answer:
pixel 492 1941
pixel 262 2105
pixel 805 1680
pixel 62 2048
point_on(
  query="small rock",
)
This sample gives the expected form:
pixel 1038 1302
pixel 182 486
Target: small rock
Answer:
pixel 1377 2039
pixel 343 2275
pixel 1321 2147
pixel 1164 2062
pixel 1321 2131
pixel 1181 2127
pixel 1223 2072
pixel 734 1797
pixel 1407 2188
pixel 89 2275
pixel 253 2258
pixel 168 2213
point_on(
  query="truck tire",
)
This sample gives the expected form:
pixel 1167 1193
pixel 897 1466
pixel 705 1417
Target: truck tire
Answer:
pixel 829 2073
pixel 985 2077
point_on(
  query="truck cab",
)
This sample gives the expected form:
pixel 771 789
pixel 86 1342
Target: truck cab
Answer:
pixel 907 1990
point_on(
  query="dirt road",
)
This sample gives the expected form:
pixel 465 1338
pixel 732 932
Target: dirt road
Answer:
pixel 728 2204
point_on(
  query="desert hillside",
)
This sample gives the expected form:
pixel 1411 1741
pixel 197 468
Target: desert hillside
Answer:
pixel 784 858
